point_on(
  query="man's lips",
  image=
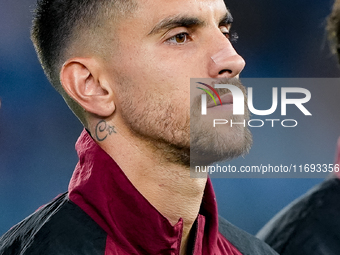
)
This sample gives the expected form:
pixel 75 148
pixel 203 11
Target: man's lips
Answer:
pixel 226 99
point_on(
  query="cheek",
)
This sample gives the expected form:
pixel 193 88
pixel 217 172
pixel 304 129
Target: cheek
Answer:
pixel 161 69
pixel 174 62
pixel 183 63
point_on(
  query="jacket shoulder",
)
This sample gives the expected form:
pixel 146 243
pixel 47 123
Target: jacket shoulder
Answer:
pixel 60 227
pixel 244 242
pixel 309 225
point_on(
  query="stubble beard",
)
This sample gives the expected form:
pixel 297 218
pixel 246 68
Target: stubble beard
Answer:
pixel 211 144
pixel 171 130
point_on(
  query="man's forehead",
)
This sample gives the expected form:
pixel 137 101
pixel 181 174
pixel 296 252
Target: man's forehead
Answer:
pixel 162 9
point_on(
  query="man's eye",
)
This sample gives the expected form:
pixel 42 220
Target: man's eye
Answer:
pixel 179 38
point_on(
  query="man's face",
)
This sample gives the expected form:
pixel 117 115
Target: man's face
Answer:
pixel 160 47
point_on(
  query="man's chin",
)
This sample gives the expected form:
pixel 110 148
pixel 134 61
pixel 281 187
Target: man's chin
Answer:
pixel 220 144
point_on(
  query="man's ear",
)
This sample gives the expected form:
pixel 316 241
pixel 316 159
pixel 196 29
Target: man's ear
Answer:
pixel 84 81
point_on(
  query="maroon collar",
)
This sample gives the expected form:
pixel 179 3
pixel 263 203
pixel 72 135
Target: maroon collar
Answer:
pixel 103 191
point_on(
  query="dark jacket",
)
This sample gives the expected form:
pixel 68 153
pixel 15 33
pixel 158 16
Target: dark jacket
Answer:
pixel 308 226
pixel 104 214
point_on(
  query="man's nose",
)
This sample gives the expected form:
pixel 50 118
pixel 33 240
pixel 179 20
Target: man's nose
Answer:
pixel 225 62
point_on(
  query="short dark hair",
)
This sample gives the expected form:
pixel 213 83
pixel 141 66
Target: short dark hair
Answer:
pixel 333 28
pixel 60 23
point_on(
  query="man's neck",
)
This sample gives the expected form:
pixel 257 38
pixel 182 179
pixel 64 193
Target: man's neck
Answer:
pixel 166 185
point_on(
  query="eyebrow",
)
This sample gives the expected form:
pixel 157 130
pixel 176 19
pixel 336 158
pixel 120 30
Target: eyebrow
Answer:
pixel 186 21
pixel 227 19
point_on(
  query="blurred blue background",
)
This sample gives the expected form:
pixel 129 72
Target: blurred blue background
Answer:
pixel 38 131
